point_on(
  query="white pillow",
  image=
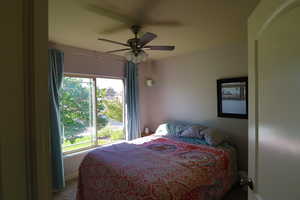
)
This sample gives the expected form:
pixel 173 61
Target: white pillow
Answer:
pixel 162 130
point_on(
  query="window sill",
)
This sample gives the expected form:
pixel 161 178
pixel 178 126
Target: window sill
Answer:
pixel 88 149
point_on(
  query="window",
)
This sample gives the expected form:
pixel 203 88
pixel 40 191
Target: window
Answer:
pixel 91 112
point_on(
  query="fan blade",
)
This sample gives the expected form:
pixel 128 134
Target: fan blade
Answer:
pixel 164 23
pixel 160 48
pixel 146 38
pixel 111 14
pixel 146 8
pixel 114 42
pixel 114 51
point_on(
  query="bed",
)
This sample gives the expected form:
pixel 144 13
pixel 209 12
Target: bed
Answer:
pixel 158 167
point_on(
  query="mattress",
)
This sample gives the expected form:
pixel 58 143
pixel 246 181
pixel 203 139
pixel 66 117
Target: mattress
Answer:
pixel 157 168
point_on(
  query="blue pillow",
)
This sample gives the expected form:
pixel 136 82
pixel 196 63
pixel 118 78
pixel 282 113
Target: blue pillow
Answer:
pixel 172 129
pixel 176 128
pixel 193 140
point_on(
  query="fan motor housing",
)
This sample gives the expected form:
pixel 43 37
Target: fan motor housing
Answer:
pixel 135 29
pixel 134 45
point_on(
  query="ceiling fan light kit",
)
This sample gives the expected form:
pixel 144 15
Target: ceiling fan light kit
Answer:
pixel 140 57
pixel 137 45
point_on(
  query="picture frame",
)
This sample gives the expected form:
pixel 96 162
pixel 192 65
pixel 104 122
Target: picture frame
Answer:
pixel 233 97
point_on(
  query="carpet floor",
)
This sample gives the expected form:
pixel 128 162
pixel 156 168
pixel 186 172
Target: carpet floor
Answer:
pixel 69 193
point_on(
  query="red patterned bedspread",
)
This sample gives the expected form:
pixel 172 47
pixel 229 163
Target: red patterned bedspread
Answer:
pixel 155 168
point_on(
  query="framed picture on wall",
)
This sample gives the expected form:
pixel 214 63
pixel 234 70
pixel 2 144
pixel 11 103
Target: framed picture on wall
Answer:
pixel 233 97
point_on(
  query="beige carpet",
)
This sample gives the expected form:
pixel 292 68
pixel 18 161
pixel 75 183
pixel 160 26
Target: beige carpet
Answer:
pixel 69 193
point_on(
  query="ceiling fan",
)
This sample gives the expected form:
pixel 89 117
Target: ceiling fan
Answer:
pixel 136 46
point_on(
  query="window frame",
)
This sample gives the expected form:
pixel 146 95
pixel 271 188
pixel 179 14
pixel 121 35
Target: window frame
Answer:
pixel 94 102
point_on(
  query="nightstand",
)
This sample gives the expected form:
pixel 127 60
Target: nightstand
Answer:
pixel 145 134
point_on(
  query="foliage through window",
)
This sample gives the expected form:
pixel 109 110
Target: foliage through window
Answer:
pixel 91 112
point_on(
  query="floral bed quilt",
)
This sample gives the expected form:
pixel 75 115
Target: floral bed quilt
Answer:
pixel 156 168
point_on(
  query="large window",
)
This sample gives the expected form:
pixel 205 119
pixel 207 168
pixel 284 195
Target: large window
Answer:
pixel 91 112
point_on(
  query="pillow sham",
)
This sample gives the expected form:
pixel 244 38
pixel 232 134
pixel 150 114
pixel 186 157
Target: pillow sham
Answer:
pixel 176 128
pixel 172 129
pixel 194 131
pixel 213 137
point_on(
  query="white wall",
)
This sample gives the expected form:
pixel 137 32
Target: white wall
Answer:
pixel 186 89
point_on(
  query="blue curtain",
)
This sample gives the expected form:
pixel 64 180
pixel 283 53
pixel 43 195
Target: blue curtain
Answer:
pixel 132 101
pixel 56 60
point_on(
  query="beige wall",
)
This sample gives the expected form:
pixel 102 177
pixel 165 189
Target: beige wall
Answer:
pixel 72 163
pixel 185 89
pixel 82 61
pixel 24 140
pixel 144 72
pixel 12 137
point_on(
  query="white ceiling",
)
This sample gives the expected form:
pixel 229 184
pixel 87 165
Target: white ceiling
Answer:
pixel 205 24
